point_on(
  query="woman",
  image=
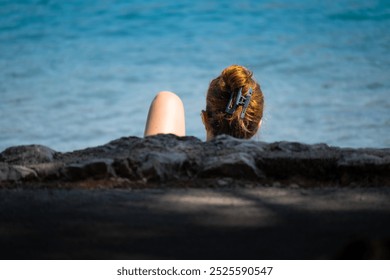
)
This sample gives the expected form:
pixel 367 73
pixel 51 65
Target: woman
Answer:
pixel 234 106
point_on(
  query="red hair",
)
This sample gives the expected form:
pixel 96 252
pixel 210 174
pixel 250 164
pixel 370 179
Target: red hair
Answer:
pixel 231 80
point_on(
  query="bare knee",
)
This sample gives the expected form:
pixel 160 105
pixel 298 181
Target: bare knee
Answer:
pixel 166 115
pixel 168 97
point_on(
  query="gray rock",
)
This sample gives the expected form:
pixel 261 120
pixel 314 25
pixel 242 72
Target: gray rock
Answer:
pixel 48 171
pixel 158 166
pixel 91 169
pixel 186 160
pixel 151 197
pixel 236 165
pixel 4 171
pixel 16 173
pixel 31 154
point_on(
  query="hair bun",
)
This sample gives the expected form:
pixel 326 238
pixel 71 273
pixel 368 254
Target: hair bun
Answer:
pixel 222 92
pixel 235 77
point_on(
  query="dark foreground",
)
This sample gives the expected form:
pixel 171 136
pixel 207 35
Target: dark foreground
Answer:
pixel 167 197
pixel 211 223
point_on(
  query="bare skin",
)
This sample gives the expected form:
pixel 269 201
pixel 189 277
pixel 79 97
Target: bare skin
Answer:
pixel 166 115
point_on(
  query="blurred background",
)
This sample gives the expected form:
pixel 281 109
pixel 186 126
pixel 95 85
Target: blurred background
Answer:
pixel 75 74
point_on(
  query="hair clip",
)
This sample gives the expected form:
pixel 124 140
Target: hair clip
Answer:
pixel 240 101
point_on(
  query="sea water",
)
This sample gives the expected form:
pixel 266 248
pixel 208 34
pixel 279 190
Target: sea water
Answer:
pixel 75 74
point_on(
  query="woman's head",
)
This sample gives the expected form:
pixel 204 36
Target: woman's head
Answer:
pixel 222 116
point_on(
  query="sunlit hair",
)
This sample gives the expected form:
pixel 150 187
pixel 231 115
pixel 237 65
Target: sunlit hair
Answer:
pixel 217 120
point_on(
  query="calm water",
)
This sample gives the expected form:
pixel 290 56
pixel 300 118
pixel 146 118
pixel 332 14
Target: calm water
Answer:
pixel 75 74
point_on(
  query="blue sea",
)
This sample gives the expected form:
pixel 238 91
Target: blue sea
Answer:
pixel 75 74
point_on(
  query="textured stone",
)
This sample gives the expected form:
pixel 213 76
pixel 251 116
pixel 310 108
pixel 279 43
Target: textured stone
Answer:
pixel 225 199
pixel 162 167
pixel 30 154
pixel 48 171
pixel 168 158
pixel 236 165
pixel 15 173
pixel 91 169
pixel 4 171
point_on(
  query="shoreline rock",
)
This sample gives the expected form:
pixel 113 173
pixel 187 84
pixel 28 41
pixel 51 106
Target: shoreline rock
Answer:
pixel 175 160
pixel 167 197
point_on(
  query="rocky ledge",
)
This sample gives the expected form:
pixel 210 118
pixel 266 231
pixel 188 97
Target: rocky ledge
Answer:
pixel 175 160
pixel 166 197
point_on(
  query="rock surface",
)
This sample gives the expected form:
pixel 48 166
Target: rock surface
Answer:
pixel 166 197
pixel 176 160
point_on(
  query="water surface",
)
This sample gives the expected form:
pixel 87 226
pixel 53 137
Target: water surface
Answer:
pixel 75 74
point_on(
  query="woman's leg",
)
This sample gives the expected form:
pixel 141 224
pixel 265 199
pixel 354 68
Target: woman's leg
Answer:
pixel 166 115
